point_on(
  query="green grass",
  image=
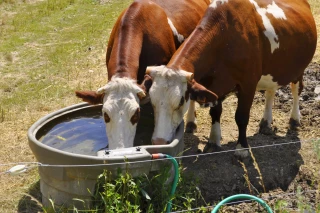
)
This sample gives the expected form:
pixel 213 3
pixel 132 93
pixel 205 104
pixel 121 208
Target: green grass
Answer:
pixel 47 45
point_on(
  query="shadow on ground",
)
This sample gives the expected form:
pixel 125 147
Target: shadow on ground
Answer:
pixel 31 201
pixel 221 174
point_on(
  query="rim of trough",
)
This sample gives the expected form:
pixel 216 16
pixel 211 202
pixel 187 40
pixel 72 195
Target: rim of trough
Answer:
pixel 33 130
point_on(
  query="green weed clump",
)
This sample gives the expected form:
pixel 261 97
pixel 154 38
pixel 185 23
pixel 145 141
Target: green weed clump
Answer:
pixel 120 195
pixel 280 206
pixel 147 193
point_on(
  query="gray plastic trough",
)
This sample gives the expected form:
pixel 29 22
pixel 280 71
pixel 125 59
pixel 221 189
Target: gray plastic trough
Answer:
pixel 63 184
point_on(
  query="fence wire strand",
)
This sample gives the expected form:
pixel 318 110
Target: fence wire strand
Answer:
pixel 38 164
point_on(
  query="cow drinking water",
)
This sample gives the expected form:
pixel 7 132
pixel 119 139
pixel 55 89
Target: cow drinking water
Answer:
pixel 239 46
pixel 147 33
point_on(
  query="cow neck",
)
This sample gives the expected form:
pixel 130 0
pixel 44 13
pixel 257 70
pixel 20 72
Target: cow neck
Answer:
pixel 126 49
pixel 125 55
pixel 198 53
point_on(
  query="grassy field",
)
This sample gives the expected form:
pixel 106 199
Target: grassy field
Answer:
pixel 49 49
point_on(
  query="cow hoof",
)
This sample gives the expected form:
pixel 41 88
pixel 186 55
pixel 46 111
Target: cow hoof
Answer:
pixel 264 128
pixel 211 147
pixel 293 124
pixel 241 153
pixel 191 127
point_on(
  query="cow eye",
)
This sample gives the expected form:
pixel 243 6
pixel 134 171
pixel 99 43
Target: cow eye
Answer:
pixel 181 102
pixel 135 117
pixel 106 117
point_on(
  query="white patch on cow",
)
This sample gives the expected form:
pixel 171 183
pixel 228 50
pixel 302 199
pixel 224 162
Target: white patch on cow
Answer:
pixel 276 11
pixel 267 115
pixel 266 83
pixel 215 134
pixel 270 32
pixel 175 31
pixel 120 103
pixel 215 3
pixel 191 117
pixel 295 112
pixel 165 93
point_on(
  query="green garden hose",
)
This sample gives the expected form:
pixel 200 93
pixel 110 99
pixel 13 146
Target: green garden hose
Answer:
pixel 241 196
pixel 176 176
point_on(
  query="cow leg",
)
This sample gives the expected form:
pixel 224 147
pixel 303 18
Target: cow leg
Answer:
pixel 245 98
pixel 215 133
pixel 191 126
pixel 296 89
pixel 265 123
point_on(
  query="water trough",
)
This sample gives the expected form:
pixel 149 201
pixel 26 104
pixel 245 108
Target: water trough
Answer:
pixel 75 136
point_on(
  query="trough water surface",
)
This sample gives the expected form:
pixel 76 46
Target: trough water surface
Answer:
pixel 83 135
pixel 86 134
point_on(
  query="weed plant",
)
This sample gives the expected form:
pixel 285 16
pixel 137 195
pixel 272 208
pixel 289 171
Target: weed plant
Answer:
pixel 147 193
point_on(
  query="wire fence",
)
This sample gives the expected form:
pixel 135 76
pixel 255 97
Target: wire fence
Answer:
pixel 31 165
pixel 38 164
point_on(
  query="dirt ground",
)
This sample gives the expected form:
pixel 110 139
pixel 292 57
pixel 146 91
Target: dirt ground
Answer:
pixel 290 170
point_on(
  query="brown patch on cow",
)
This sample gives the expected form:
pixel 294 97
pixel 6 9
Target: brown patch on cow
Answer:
pixel 90 97
pixel 106 117
pixel 146 84
pixel 136 116
pixel 207 80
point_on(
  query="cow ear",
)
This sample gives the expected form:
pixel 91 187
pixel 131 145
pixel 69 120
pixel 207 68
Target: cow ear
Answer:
pixel 201 94
pixel 90 96
pixel 145 86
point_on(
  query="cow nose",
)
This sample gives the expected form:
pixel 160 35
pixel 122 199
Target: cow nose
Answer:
pixel 159 141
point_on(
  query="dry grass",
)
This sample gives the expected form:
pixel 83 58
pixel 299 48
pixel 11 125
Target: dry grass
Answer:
pixel 44 57
pixel 315 6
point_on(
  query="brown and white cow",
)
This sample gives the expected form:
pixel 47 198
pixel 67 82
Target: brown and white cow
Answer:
pixel 147 33
pixel 239 46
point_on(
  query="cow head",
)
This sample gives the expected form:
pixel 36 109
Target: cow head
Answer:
pixel 121 112
pixel 170 96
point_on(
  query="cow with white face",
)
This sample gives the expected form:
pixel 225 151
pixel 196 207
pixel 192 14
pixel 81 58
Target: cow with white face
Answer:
pixel 170 101
pixel 147 33
pixel 120 110
pixel 238 46
pixel 171 94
